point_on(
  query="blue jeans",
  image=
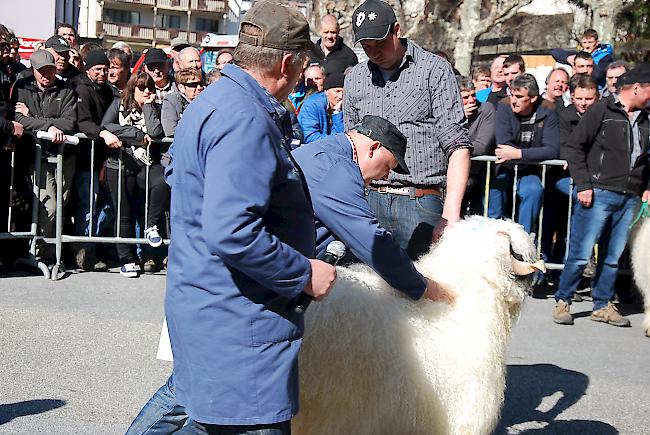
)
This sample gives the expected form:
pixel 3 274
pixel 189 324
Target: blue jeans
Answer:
pixel 102 206
pixel 162 415
pixel 194 428
pixel 608 219
pixel 529 190
pixel 410 220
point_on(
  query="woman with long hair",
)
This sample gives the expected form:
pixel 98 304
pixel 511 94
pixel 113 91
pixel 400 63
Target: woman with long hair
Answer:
pixel 133 124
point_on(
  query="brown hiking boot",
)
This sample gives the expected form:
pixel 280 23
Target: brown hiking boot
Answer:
pixel 609 314
pixel 562 313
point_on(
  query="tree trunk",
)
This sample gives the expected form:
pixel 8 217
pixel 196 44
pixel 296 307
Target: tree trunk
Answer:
pixel 463 49
pixel 604 17
pixel 470 17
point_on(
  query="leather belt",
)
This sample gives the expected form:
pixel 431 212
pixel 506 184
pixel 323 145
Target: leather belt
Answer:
pixel 413 192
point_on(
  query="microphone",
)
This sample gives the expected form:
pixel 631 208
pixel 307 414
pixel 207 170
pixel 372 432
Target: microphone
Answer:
pixel 334 252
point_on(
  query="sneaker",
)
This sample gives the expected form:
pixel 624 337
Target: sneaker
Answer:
pixel 129 270
pixel 150 266
pixel 100 266
pixel 562 313
pixel 153 237
pixel 609 314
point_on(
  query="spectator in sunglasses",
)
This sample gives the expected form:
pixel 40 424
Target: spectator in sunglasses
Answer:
pixel 134 121
pixel 189 84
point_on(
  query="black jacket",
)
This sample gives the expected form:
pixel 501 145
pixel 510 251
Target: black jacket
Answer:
pixel 131 135
pixel 54 106
pixel 569 120
pixel 93 101
pixel 340 58
pixel 598 151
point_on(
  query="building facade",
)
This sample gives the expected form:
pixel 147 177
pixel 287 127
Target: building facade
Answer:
pixel 147 23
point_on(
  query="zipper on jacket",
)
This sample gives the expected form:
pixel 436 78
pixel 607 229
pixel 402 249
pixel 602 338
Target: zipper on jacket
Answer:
pixel 600 165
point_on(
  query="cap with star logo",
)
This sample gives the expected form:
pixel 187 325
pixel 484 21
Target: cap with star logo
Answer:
pixel 372 20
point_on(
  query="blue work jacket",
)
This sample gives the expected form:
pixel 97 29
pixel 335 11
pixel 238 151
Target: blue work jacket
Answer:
pixel 243 232
pixel 343 213
pixel 316 123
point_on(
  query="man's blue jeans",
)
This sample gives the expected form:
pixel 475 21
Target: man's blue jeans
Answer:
pixel 410 220
pixel 162 415
pixel 608 219
pixel 102 207
pixel 529 190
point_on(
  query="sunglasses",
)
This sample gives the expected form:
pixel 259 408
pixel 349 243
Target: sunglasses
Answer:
pixel 144 88
pixel 193 84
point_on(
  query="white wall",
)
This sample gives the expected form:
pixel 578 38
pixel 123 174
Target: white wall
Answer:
pixel 31 18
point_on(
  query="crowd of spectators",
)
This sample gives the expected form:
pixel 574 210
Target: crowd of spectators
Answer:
pixel 125 113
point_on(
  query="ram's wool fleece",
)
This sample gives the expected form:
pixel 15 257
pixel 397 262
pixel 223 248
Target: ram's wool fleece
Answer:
pixel 640 241
pixel 374 362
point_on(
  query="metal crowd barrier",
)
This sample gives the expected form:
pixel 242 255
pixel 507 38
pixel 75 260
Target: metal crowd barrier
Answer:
pixel 91 238
pixel 61 238
pixel 489 160
pixel 32 234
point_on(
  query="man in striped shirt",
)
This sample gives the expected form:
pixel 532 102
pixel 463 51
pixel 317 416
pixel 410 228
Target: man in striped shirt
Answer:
pixel 417 91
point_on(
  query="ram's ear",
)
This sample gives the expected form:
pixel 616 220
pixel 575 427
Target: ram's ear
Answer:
pixel 521 267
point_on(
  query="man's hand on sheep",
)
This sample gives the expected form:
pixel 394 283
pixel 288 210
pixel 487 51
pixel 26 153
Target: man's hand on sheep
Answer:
pixel 322 279
pixel 437 293
pixel 646 196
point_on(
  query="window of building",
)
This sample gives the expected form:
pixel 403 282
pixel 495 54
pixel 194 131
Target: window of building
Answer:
pixel 207 25
pixel 120 16
pixel 168 21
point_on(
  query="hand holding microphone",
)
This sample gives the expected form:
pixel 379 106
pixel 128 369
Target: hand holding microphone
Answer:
pixel 323 276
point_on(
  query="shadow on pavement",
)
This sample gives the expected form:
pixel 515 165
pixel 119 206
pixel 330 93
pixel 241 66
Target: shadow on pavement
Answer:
pixel 537 394
pixel 10 411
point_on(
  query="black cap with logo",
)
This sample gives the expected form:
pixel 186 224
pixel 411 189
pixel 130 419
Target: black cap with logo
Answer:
pixel 372 20
pixel 59 44
pixel 389 136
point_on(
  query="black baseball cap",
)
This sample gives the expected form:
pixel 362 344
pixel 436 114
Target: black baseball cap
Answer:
pixel 389 136
pixel 281 27
pixel 372 20
pixel 639 75
pixel 58 43
pixel 155 55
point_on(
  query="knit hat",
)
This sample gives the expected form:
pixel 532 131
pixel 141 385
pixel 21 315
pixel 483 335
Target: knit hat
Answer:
pixel 96 57
pixel 334 80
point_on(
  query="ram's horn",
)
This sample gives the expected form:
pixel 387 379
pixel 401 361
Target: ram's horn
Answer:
pixel 522 268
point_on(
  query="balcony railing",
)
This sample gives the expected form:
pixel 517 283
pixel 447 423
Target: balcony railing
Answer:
pixel 125 31
pixel 210 5
pixel 162 36
pixel 174 4
pixel 140 2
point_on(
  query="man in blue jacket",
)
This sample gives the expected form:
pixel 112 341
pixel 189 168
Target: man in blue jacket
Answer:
pixel 528 131
pixel 322 114
pixel 336 169
pixel 244 237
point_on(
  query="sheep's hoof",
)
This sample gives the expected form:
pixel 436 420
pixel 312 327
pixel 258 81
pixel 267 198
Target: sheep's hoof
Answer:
pixel 647 332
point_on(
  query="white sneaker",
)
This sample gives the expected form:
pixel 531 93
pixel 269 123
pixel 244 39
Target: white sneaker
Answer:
pixel 129 270
pixel 153 237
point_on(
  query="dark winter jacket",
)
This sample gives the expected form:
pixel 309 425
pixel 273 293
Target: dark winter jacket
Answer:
pixel 546 141
pixel 132 135
pixel 599 150
pixel 54 106
pixel 93 100
pixel 340 58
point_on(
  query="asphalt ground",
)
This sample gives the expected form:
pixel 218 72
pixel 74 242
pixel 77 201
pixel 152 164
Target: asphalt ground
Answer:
pixel 77 356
